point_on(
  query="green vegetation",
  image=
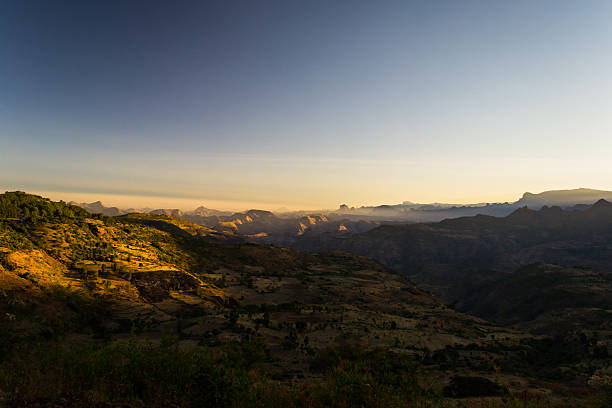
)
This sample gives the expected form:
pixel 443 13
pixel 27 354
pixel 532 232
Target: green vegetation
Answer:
pixel 231 376
pixel 13 240
pixel 134 373
pixel 31 209
pixel 124 373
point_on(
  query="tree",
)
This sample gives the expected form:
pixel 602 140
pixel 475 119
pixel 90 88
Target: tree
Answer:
pixel 233 317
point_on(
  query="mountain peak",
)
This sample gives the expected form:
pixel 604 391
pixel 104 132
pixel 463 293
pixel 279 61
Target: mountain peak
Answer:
pixel 522 211
pixel 602 204
pixel 259 213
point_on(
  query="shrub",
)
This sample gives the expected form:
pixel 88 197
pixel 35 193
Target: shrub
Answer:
pixel 463 387
pixel 120 373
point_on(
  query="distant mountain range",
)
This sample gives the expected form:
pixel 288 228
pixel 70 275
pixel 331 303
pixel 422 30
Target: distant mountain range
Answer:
pixel 285 228
pixel 266 227
pixel 563 198
pixel 254 225
pixel 414 212
pixel 573 236
pixel 543 268
pixel 98 208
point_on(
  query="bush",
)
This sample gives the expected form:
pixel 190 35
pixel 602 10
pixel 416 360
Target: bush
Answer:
pixel 120 373
pixel 133 373
pixel 463 387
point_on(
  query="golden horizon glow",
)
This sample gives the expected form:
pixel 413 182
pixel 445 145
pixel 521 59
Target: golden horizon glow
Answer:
pixel 126 201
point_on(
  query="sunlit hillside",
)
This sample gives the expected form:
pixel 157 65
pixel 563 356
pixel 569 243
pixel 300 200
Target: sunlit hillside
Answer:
pixel 83 285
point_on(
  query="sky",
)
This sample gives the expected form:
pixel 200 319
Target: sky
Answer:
pixel 304 104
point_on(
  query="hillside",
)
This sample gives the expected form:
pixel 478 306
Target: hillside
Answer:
pixel 550 235
pixel 471 262
pixel 85 281
pixel 153 262
pixel 546 299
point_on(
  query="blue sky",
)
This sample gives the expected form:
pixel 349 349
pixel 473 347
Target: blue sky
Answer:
pixel 304 104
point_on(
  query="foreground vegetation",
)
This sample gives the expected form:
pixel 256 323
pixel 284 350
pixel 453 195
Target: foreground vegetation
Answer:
pixel 142 374
pixel 230 376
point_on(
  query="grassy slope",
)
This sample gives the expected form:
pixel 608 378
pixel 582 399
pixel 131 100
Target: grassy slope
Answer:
pixel 75 277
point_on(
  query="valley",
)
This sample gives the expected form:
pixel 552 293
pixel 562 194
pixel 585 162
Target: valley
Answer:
pixel 71 279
